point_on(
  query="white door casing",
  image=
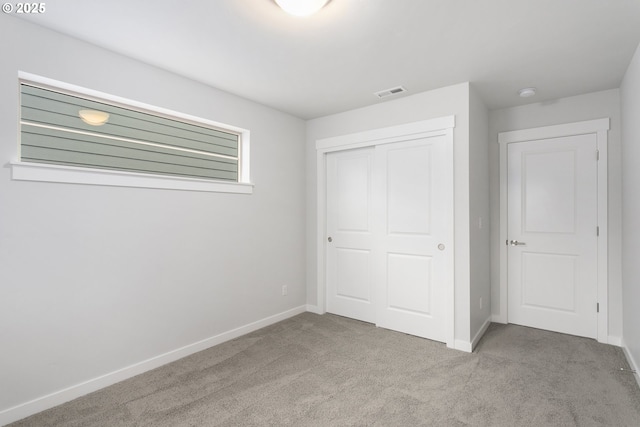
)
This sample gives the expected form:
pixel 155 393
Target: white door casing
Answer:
pixel 554 205
pixel 405 267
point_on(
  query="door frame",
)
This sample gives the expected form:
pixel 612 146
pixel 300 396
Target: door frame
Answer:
pixel 442 126
pixel 599 128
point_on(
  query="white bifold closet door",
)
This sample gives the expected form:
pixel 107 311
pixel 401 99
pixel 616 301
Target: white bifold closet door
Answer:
pixel 390 228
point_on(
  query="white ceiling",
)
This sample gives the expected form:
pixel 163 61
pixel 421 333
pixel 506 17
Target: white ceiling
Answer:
pixel 335 60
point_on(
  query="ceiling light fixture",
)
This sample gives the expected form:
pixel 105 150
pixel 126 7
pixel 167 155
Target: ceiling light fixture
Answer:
pixel 527 92
pixel 301 7
pixel 93 117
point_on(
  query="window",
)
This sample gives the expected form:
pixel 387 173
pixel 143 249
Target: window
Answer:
pixel 73 135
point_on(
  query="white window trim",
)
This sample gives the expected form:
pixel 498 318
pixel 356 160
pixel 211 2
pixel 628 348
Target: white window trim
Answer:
pixel 24 171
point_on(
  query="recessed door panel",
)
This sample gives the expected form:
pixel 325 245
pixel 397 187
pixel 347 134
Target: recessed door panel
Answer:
pixel 353 193
pixel 549 281
pixel 353 277
pixel 409 283
pixel 409 190
pixel 549 192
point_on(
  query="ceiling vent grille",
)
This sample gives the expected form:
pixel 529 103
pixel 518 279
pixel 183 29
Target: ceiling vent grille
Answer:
pixel 389 92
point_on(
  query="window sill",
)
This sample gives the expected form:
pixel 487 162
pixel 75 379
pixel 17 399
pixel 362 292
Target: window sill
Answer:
pixel 21 171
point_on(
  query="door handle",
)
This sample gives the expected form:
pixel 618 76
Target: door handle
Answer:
pixel 515 243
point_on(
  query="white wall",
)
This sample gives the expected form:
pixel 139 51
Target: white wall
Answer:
pixel 578 108
pixel 452 100
pixel 94 279
pixel 479 216
pixel 630 95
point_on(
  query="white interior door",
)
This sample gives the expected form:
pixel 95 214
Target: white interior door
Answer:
pixel 414 257
pixel 552 234
pixel 350 228
pixel 390 225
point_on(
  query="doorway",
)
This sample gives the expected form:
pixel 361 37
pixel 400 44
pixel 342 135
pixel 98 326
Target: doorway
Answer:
pixel 553 228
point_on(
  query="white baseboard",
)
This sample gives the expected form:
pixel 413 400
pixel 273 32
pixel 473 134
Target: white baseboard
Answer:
pixel 480 333
pixel 463 346
pixel 498 318
pixel 613 340
pixel 632 362
pixel 468 346
pixel 314 309
pixel 59 397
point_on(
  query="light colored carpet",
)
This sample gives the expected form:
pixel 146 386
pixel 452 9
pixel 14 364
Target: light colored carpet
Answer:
pixel 330 371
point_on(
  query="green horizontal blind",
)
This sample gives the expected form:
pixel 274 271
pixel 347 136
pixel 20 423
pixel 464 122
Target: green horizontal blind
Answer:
pixel 53 132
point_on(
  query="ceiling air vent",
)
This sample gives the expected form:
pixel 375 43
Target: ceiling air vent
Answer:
pixel 388 92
